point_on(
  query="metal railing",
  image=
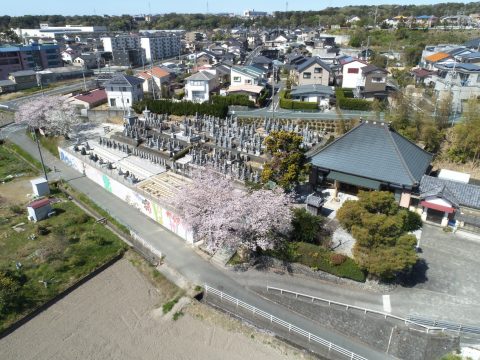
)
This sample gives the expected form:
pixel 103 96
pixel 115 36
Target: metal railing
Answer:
pixel 468 329
pixel 291 328
pixel 426 327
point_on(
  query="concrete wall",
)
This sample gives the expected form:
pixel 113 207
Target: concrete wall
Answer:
pixel 152 209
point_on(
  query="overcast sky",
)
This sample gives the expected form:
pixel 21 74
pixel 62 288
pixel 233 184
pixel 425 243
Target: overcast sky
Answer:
pixel 117 7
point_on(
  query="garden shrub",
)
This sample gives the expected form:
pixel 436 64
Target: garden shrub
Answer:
pixel 337 259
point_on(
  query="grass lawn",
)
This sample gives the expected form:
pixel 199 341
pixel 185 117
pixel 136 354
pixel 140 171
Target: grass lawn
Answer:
pixel 51 144
pixel 22 155
pixel 71 247
pixel 11 163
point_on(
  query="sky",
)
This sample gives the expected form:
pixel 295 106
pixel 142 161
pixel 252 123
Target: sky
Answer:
pixel 117 7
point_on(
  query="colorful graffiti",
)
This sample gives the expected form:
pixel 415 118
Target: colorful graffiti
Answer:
pixel 166 218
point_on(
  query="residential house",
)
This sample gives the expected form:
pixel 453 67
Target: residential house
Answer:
pixel 200 85
pixel 351 74
pixel 353 20
pixel 312 71
pixel 263 62
pixel 252 91
pixel 247 75
pixel 154 79
pixel 123 90
pixel 373 83
pixel 371 156
pixel 24 79
pixel 447 201
pixel 88 61
pixel 461 81
pixel 423 76
pixel 90 99
pixel 320 94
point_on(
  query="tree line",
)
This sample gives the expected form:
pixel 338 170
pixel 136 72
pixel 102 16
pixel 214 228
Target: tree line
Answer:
pixel 289 19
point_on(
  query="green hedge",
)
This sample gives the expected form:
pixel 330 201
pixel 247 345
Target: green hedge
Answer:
pixel 233 99
pixel 182 108
pixel 287 103
pixel 347 103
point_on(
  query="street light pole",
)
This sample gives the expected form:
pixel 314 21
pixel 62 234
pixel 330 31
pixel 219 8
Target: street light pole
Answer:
pixel 40 153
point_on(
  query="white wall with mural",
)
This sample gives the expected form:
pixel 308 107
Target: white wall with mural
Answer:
pixel 164 217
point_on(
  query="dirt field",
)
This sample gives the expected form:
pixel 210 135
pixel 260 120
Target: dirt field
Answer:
pixel 113 316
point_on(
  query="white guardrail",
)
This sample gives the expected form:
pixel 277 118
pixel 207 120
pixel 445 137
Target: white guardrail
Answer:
pixel 291 328
pixel 364 310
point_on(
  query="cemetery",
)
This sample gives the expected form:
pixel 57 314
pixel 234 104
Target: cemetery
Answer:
pixel 154 154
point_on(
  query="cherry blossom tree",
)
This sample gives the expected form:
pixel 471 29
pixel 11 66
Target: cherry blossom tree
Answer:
pixel 223 215
pixel 50 113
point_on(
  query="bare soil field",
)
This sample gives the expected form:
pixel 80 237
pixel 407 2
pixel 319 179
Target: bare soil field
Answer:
pixel 116 315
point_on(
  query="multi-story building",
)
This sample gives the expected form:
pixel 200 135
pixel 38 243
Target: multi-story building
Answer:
pixel 251 14
pixel 199 86
pixel 157 46
pixel 123 90
pixel 55 32
pixel 128 57
pixel 32 57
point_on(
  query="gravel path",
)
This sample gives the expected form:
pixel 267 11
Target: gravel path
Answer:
pixel 113 317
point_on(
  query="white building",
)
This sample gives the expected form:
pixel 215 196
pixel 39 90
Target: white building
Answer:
pixel 351 73
pixel 157 46
pixel 199 86
pixel 123 90
pixel 247 75
pixel 252 14
pixel 54 32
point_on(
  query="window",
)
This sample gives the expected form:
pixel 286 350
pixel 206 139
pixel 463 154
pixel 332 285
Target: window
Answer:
pixel 352 71
pixel 124 89
pixel 248 81
pixel 112 102
pixel 128 101
pixel 318 70
pixel 196 83
pixel 378 79
pixel 307 75
pixel 236 79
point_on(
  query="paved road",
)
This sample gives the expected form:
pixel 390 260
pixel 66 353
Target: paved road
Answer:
pixel 182 258
pixel 14 103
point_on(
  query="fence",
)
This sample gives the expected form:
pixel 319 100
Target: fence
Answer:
pixel 445 324
pixel 151 254
pixel 425 327
pixel 291 328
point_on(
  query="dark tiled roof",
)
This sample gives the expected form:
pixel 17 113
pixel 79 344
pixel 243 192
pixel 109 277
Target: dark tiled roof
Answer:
pixel 310 62
pixel 371 68
pixel 456 192
pixel 375 151
pixel 93 97
pixel 124 80
pixel 312 89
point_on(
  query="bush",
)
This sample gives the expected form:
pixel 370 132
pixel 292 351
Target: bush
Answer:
pixel 337 259
pixel 304 105
pixel 305 226
pixel 17 209
pixel 83 218
pixel 233 99
pixel 346 103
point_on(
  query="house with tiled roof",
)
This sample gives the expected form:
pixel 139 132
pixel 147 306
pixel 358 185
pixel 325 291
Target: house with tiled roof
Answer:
pixel 200 85
pixel 90 99
pixel 433 59
pixel 312 71
pixel 372 83
pixel 154 79
pixel 444 200
pixel 371 156
pixel 123 90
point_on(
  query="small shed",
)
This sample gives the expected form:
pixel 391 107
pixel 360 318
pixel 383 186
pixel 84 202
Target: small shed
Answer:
pixel 40 187
pixel 314 204
pixel 39 209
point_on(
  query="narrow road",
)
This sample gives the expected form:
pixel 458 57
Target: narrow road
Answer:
pixel 183 259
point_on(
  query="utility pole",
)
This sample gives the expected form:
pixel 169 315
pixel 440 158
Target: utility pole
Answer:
pixel 273 93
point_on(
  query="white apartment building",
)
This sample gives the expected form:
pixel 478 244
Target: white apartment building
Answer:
pixel 53 32
pixel 157 46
